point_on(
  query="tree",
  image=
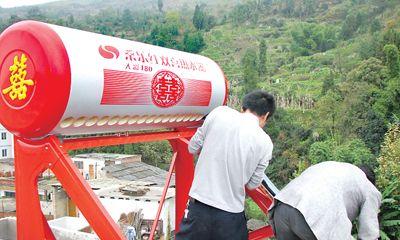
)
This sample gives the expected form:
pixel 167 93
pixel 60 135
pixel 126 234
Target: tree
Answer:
pixel 288 7
pixel 308 7
pixel 392 59
pixel 350 26
pixel 127 19
pixel 325 6
pixel 199 18
pixel 193 42
pixel 254 11
pixel 249 11
pixel 357 98
pixel 262 64
pixel 155 153
pixel 292 145
pixel 387 99
pixel 35 13
pixel 389 167
pixel 105 22
pixel 311 38
pixel 328 112
pixel 391 36
pixel 165 35
pixel 70 20
pixel 355 152
pixel 321 152
pixel 360 18
pixel 388 181
pixel 371 46
pixel 240 14
pixel 13 19
pixel 210 22
pixel 160 5
pixel 250 74
pixel 328 83
pixel 266 3
pixel 370 71
pixel 373 131
pixel 104 29
pixel 375 26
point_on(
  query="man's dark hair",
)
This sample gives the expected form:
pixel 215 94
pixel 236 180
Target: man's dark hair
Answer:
pixel 259 102
pixel 368 172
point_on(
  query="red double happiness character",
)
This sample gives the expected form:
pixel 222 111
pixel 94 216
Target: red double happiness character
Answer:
pixel 167 89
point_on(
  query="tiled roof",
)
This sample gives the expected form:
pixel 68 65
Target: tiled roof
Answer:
pixel 105 156
pixel 138 171
pixel 8 161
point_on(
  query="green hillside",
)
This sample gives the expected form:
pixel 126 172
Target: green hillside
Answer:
pixel 332 65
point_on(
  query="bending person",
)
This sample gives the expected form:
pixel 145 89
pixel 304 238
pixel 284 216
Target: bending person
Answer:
pixel 323 202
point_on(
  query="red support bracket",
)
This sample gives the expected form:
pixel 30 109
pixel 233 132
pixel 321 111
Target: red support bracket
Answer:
pixel 261 233
pixel 31 159
pixel 31 223
pixel 184 172
pixel 167 183
pixel 264 200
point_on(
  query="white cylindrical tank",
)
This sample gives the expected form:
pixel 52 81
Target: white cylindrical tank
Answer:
pixel 62 81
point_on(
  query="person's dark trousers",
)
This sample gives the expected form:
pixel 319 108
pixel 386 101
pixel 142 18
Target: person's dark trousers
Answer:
pixel 204 222
pixel 289 224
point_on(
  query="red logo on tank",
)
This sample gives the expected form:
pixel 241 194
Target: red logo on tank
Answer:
pixel 167 89
pixel 108 52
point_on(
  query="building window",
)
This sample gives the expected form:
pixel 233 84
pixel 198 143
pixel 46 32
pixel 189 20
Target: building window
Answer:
pixel 10 194
pixel 79 164
pixel 4 152
pixel 3 136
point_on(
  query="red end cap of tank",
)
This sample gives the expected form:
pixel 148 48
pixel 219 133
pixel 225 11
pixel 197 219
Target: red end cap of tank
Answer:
pixel 35 79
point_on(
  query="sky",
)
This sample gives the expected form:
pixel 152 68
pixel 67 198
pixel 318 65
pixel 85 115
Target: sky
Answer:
pixel 18 3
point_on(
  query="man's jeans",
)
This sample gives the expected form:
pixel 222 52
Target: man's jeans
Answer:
pixel 203 222
pixel 289 224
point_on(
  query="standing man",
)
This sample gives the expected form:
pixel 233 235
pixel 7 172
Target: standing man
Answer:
pixel 323 202
pixel 234 152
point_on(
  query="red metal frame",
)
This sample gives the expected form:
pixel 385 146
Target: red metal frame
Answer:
pixel 164 194
pixel 101 141
pixel 264 200
pixel 32 157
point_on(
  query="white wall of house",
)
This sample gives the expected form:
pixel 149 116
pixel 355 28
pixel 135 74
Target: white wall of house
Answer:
pixel 47 207
pixel 86 164
pixel 6 144
pixel 6 168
